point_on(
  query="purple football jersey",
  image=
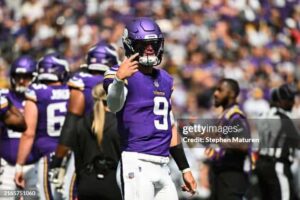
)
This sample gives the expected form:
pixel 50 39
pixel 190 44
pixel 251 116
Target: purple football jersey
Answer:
pixel 85 82
pixel 9 139
pixel 233 158
pixel 52 108
pixel 144 121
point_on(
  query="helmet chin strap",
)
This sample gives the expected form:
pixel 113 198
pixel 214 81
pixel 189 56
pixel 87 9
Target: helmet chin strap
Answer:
pixel 148 60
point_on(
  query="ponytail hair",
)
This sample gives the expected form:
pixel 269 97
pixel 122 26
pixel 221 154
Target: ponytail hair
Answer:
pixel 99 96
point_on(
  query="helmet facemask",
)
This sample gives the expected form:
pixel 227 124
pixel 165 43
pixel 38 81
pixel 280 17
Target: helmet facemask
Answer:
pixel 27 79
pixel 139 46
pixel 150 51
pixel 23 72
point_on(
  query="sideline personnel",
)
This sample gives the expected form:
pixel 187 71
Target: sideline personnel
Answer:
pixel 279 137
pixel 227 176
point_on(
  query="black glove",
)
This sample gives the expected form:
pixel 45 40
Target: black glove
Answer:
pixel 55 162
pixel 54 168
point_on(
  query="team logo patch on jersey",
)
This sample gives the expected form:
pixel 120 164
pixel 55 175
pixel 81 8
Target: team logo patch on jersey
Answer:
pixel 158 93
pixel 130 175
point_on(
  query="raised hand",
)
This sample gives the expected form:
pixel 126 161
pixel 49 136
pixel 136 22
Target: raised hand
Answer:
pixel 128 67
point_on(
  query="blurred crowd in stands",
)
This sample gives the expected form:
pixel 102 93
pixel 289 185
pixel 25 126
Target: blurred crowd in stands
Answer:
pixel 256 42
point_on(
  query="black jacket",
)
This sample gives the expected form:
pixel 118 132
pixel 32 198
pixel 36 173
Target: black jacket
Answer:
pixel 86 148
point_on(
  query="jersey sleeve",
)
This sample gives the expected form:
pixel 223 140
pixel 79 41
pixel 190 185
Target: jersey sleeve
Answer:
pixel 240 126
pixel 109 77
pixel 76 83
pixel 31 93
pixel 79 81
pixel 171 79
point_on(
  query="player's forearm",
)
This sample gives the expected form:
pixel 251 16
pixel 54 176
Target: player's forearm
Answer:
pixel 61 151
pixel 178 155
pixel 176 139
pixel 16 123
pixel 25 146
pixel 15 120
pixel 68 130
pixel 116 95
pixel 176 150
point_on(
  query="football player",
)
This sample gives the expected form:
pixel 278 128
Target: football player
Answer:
pixel 141 97
pixel 45 110
pixel 22 73
pixel 99 58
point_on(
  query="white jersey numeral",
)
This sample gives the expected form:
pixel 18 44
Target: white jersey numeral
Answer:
pixel 54 122
pixel 13 134
pixel 161 111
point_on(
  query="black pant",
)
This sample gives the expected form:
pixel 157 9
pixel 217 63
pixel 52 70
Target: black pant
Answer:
pixel 228 185
pixel 92 188
pixel 275 179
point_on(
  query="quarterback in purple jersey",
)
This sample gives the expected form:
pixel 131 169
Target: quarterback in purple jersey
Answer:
pixel 22 73
pixel 45 110
pixel 140 95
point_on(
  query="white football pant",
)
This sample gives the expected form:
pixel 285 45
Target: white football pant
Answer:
pixel 48 191
pixel 145 177
pixel 7 176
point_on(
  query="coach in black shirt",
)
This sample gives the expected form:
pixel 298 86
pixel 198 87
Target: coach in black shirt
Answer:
pixel 97 152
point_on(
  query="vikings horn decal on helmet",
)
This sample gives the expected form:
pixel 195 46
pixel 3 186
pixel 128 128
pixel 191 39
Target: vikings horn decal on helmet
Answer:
pixel 101 57
pixel 138 34
pixel 52 67
pixel 24 65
